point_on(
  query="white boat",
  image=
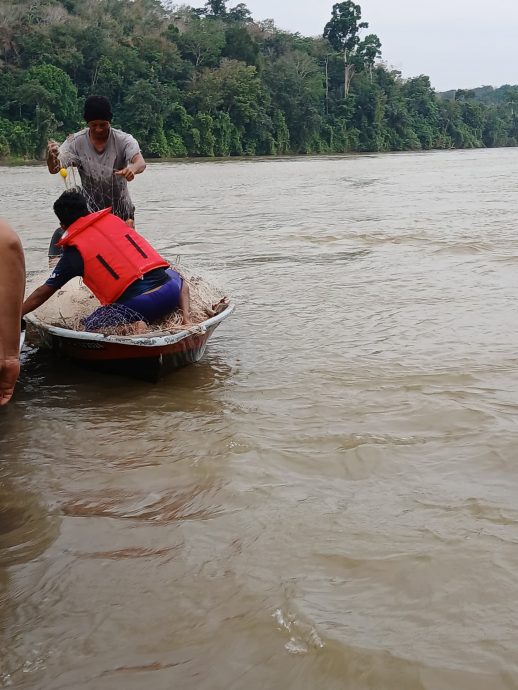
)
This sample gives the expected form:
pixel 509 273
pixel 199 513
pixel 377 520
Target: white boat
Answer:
pixel 144 356
pixel 22 334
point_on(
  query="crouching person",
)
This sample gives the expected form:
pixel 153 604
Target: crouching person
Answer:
pixel 118 265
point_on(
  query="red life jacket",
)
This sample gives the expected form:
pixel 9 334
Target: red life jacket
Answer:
pixel 114 255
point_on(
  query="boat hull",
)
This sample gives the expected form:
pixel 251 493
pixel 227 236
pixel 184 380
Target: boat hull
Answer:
pixel 145 357
pixel 22 335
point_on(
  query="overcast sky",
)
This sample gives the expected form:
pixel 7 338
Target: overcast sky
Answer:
pixel 457 43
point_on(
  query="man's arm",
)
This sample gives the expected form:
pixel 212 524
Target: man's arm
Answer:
pixel 69 266
pixel 12 286
pixel 138 163
pixel 135 167
pixel 37 298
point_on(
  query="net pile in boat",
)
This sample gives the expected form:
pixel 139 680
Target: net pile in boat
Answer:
pixel 114 319
pixel 72 304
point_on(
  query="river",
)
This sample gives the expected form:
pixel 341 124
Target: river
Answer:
pixel 329 499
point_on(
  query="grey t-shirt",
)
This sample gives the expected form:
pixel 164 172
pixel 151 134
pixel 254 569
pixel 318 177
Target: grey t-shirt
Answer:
pixel 102 188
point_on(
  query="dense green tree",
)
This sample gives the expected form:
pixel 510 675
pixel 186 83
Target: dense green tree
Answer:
pixel 47 96
pixel 367 52
pixel 144 109
pixel 496 129
pixel 215 82
pixel 216 8
pixel 297 86
pixel 239 45
pixel 342 32
pixel 240 13
pixel 202 42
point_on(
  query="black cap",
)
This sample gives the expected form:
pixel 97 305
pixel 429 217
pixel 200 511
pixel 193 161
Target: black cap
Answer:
pixel 97 108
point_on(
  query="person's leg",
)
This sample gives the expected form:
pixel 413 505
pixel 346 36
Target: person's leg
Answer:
pixel 218 307
pixel 184 303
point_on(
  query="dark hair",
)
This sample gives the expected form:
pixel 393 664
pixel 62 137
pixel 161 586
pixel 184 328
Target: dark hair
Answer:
pixel 70 206
pixel 97 108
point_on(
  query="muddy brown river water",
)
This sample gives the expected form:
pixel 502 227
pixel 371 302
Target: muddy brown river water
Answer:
pixel 329 500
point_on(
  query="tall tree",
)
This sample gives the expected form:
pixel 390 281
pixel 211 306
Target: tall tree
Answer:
pixel 368 51
pixel 342 33
pixel 240 13
pixel 216 8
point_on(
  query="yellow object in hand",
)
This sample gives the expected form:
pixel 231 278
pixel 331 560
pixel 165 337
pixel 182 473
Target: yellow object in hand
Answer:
pixel 63 172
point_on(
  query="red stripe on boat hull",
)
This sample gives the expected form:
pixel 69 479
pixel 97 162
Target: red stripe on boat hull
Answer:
pixel 191 348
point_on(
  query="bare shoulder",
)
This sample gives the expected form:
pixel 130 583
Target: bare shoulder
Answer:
pixel 8 237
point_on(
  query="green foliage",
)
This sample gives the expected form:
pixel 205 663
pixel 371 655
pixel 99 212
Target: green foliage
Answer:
pixel 240 13
pixel 239 45
pixel 203 125
pixel 202 42
pixel 51 88
pixel 344 26
pixel 367 52
pixel 144 108
pixel 216 8
pixel 17 138
pixel 297 87
pixel 213 82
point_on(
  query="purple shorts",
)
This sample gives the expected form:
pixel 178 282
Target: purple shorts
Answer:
pixel 154 306
pixel 150 307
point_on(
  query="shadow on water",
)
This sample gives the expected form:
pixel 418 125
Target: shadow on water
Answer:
pixel 47 379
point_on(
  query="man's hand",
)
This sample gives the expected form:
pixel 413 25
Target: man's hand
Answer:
pixel 53 156
pixel 53 147
pixel 9 372
pixel 37 298
pixel 136 165
pixel 126 172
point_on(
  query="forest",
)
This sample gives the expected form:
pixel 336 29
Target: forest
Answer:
pixel 217 82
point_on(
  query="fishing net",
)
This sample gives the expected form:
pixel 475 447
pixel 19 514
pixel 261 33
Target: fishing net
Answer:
pixel 73 305
pixel 114 319
pixel 97 182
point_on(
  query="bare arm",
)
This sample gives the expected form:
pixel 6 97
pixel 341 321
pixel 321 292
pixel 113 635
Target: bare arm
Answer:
pixel 52 157
pixel 138 163
pixel 37 298
pixel 184 303
pixel 12 286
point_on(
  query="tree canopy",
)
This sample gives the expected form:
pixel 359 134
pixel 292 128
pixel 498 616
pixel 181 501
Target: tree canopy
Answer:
pixel 215 82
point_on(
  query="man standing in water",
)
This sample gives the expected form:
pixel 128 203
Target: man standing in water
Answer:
pixel 12 286
pixel 107 159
